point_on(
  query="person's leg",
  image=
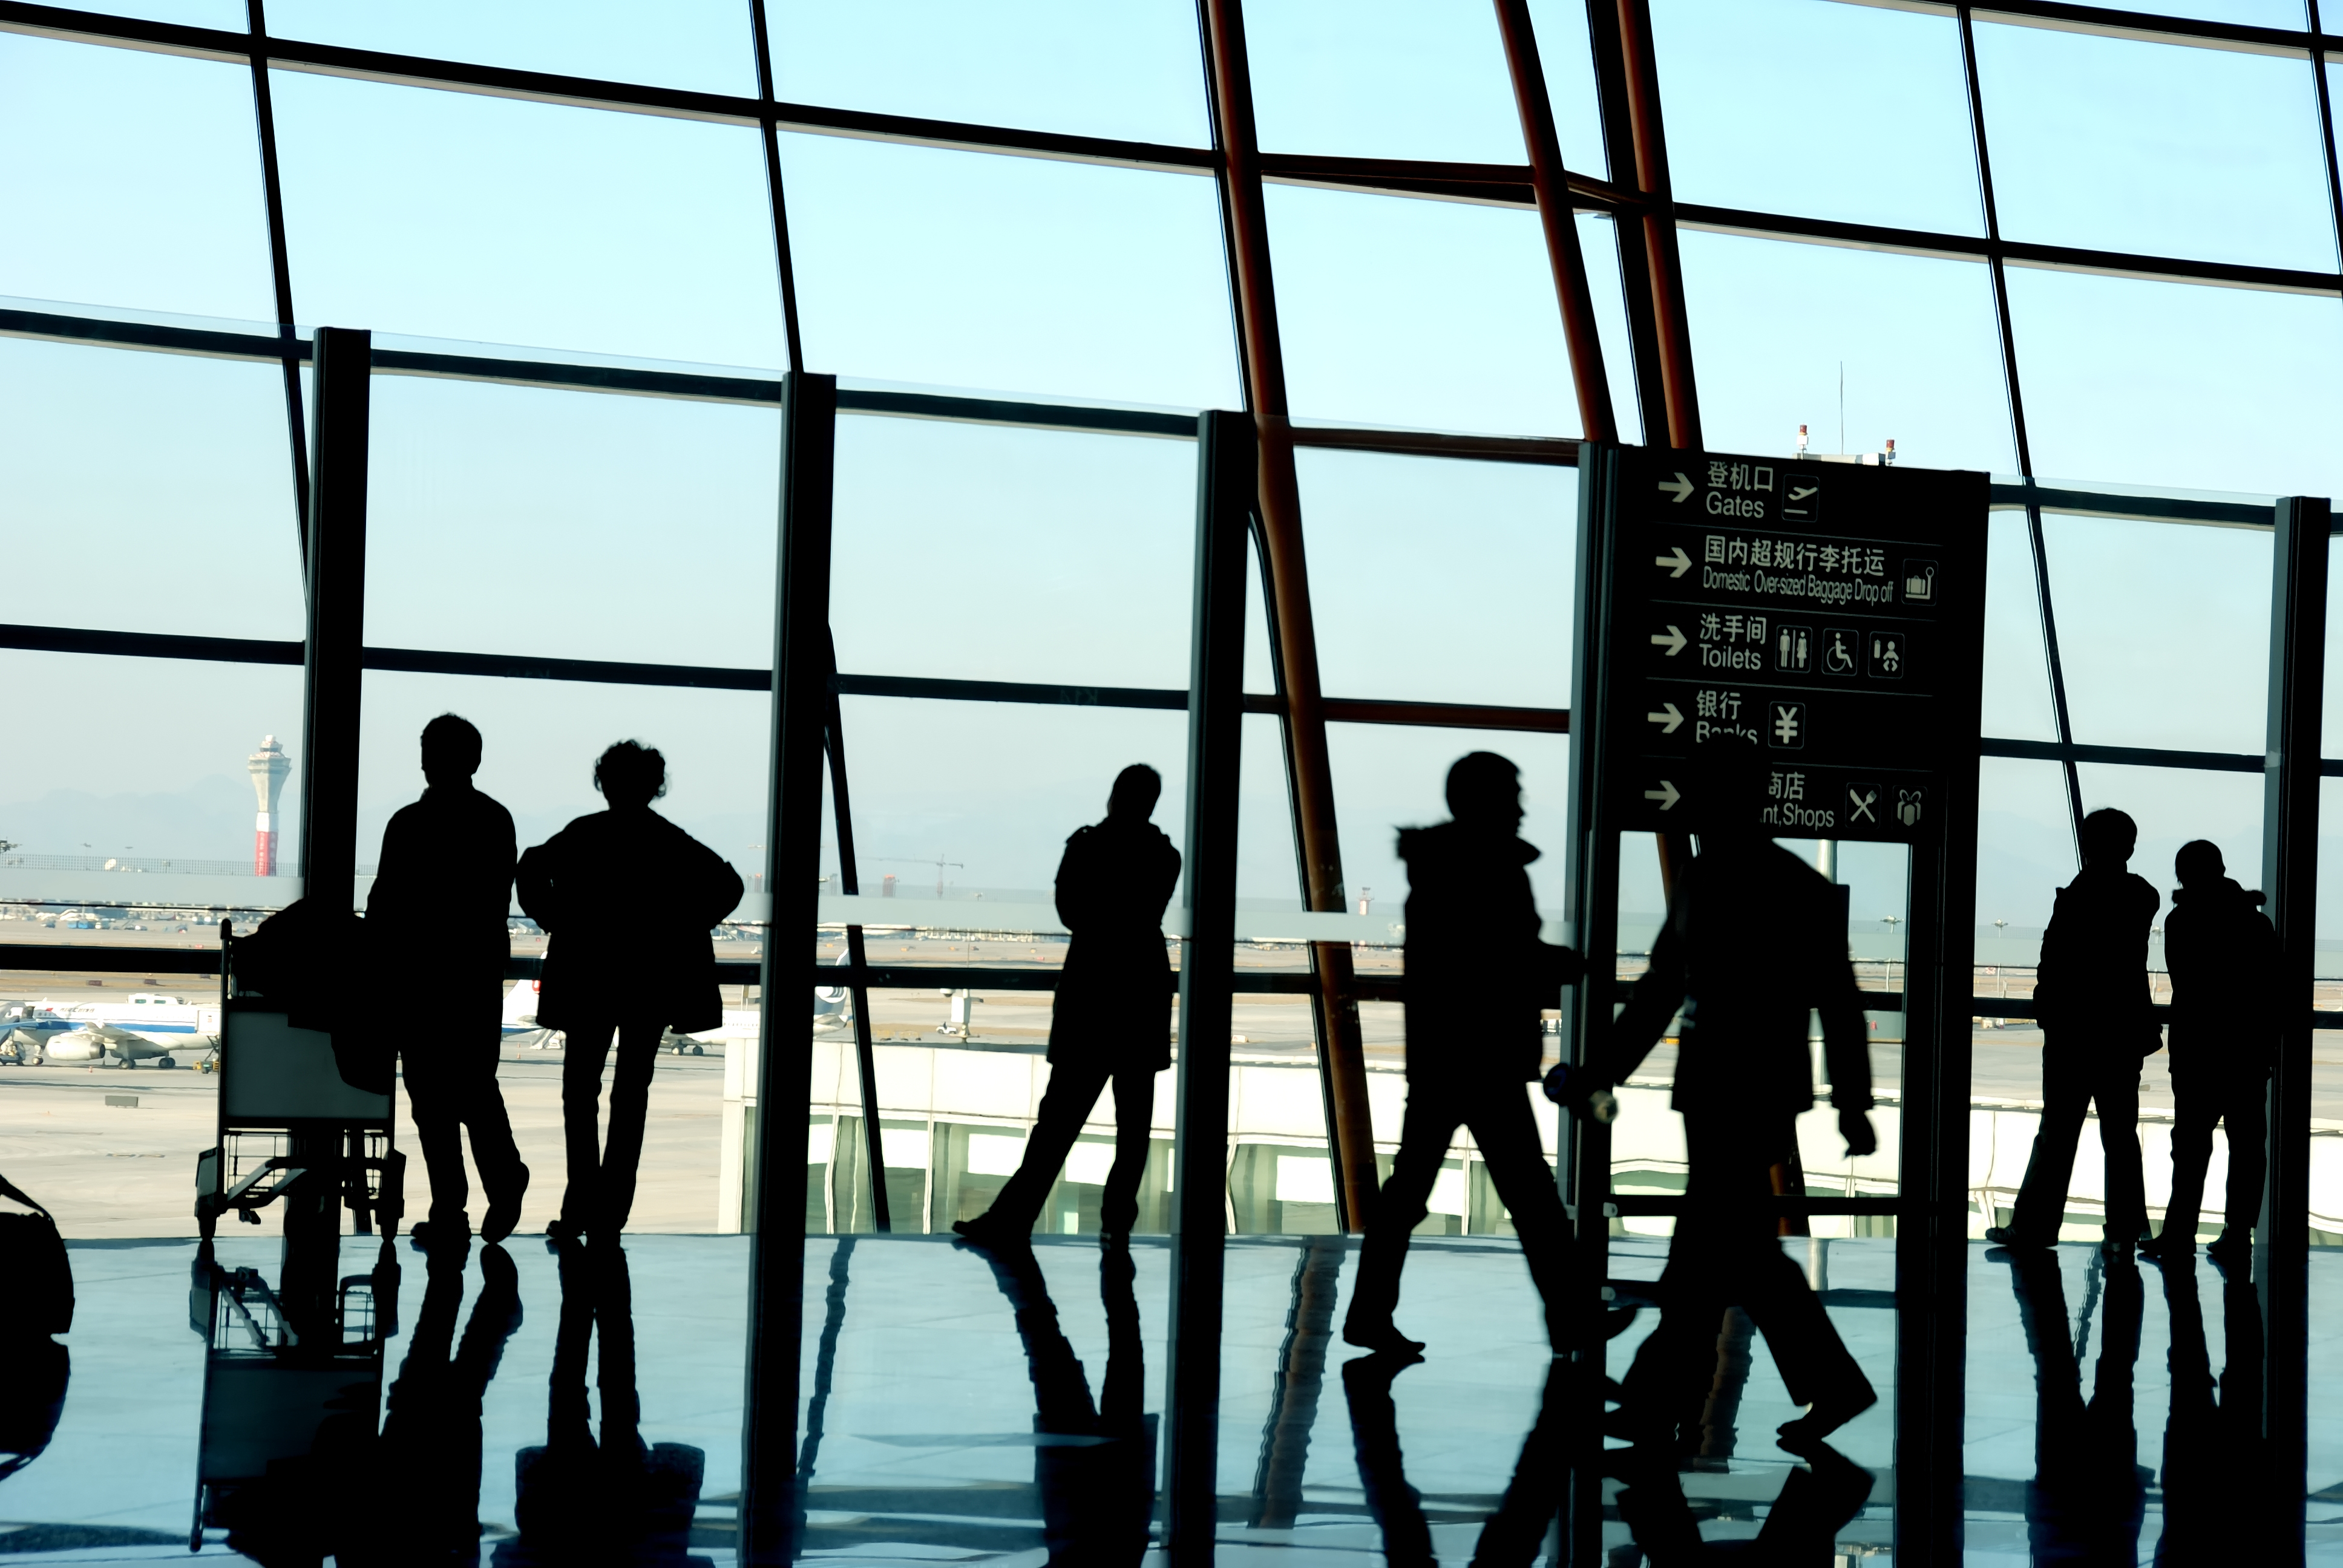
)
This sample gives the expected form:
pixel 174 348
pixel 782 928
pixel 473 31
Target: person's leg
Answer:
pixel 2041 1206
pixel 1426 1132
pixel 1134 1110
pixel 1507 1134
pixel 433 1100
pixel 2195 1108
pixel 2116 1091
pixel 630 1102
pixel 1663 1387
pixel 1074 1089
pixel 2246 1110
pixel 584 1053
pixel 485 1117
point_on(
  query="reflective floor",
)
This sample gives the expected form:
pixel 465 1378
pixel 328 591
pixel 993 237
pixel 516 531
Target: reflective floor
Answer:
pixel 962 1408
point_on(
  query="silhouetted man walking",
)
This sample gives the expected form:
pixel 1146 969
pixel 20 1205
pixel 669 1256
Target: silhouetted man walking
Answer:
pixel 1113 1019
pixel 1477 977
pixel 2091 997
pixel 437 920
pixel 2222 955
pixel 1755 940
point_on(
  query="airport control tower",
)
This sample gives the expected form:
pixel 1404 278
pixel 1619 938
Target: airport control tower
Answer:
pixel 268 767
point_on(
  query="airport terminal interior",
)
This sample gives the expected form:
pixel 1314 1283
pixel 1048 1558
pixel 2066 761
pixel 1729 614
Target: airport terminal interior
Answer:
pixel 1834 452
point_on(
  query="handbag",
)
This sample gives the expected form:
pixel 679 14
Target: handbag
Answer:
pixel 32 1260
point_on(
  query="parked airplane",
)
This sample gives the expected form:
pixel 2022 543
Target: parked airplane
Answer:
pixel 149 1027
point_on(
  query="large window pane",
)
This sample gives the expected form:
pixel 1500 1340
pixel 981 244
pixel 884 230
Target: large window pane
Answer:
pixel 2163 631
pixel 703 44
pixel 132 178
pixel 1375 78
pixel 148 492
pixel 507 519
pixel 994 554
pixel 2155 147
pixel 2179 383
pixel 1047 773
pixel 1856 345
pixel 968 269
pixel 172 828
pixel 1418 313
pixel 1763 96
pixel 1388 777
pixel 1131 71
pixel 1568 57
pixel 457 214
pixel 1441 580
pixel 2017 705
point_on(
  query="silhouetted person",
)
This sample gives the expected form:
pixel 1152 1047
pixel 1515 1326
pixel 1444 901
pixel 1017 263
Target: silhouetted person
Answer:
pixel 1098 1491
pixel 1112 1019
pixel 438 922
pixel 628 899
pixel 1477 979
pixel 2217 1491
pixel 2223 958
pixel 619 1499
pixel 431 1430
pixel 2091 997
pixel 1755 939
pixel 2087 1497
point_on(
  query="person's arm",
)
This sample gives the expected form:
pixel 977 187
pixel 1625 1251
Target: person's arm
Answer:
pixel 721 885
pixel 1639 1026
pixel 1847 1048
pixel 387 900
pixel 535 880
pixel 1071 890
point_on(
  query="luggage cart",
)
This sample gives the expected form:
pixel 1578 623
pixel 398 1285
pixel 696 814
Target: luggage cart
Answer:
pixel 292 1371
pixel 290 1114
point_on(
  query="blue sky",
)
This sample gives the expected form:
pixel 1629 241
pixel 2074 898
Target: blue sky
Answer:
pixel 151 492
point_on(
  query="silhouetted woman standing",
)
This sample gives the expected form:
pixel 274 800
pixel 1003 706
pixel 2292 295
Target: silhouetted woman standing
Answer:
pixel 628 899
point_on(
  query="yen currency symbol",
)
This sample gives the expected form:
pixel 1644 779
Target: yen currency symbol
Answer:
pixel 1790 724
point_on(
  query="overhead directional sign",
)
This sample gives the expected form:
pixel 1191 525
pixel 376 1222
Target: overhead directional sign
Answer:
pixel 1828 617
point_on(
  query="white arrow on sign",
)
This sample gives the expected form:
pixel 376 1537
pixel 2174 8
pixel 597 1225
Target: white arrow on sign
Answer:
pixel 1672 641
pixel 1666 794
pixel 1668 721
pixel 1676 559
pixel 1680 486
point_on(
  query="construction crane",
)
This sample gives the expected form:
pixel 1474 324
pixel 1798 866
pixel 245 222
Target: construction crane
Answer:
pixel 938 863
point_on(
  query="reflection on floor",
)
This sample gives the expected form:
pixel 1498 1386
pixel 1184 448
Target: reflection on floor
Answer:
pixel 967 1408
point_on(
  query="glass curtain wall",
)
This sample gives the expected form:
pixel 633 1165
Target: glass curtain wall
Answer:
pixel 1049 222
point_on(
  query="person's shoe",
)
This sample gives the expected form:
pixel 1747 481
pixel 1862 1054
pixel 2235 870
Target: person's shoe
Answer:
pixel 441 1231
pixel 985 1231
pixel 564 1232
pixel 2232 1248
pixel 2116 1246
pixel 2004 1236
pixel 1824 1416
pixel 504 1209
pixel 1384 1338
pixel 2169 1247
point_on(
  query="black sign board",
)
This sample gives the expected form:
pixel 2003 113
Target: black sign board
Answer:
pixel 1829 617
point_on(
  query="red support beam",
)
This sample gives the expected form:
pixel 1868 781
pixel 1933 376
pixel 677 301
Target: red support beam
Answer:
pixel 1244 216
pixel 1555 215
